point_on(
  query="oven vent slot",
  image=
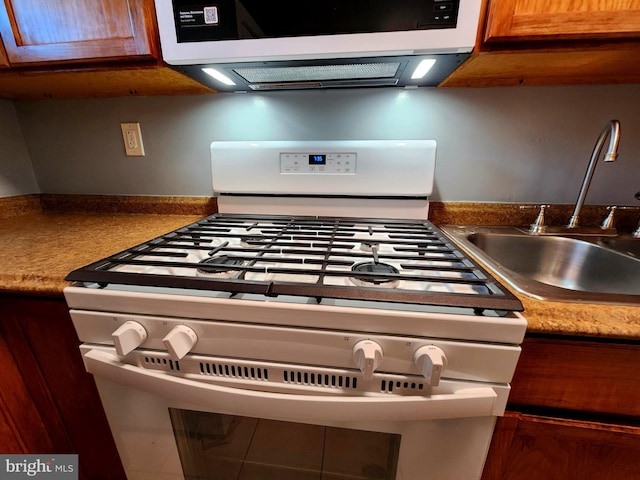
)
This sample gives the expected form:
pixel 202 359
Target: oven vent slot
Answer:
pixel 320 379
pixel 391 386
pixel 234 371
pixel 162 363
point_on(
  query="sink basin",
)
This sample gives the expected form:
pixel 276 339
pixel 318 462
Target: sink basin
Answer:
pixel 590 269
pixel 628 245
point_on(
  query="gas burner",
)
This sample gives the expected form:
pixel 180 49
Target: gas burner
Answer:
pixel 222 266
pixel 381 270
pixel 369 246
pixel 251 241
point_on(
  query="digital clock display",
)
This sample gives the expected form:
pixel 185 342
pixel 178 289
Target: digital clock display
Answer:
pixel 317 159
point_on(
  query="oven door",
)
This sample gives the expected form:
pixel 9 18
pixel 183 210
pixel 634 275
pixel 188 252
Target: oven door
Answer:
pixel 169 426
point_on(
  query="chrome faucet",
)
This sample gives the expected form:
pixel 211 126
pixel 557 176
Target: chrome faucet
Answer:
pixel 612 129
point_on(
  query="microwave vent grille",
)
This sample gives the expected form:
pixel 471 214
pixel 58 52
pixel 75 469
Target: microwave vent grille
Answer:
pixel 318 72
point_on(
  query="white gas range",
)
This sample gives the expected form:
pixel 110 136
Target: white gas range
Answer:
pixel 295 315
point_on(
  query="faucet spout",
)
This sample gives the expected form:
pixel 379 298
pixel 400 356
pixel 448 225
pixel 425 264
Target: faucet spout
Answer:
pixel 612 130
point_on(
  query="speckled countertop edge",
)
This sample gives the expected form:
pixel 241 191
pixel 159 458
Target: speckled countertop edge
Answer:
pixel 64 221
pixel 38 250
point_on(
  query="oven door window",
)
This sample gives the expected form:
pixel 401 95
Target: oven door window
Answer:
pixel 228 447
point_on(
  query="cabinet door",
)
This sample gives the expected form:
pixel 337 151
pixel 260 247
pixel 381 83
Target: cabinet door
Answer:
pixel 579 375
pixel 63 31
pixel 4 62
pixel 45 346
pixel 525 20
pixel 528 447
pixel 22 427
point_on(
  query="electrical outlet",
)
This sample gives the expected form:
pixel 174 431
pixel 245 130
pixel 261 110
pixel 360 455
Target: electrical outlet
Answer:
pixel 132 139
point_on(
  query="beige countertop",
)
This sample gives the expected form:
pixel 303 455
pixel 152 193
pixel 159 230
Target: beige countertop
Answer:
pixel 38 249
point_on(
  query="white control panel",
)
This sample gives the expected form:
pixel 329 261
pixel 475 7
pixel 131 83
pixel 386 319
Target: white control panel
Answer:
pixel 343 349
pixel 317 163
pixel 391 168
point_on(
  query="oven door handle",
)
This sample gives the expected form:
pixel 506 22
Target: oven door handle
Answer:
pixel 467 402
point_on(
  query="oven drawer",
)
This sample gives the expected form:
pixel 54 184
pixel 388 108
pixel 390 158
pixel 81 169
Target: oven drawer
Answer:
pixel 237 394
pixel 174 424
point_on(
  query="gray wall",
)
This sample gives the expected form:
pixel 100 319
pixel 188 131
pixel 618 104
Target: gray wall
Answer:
pixel 16 173
pixel 499 144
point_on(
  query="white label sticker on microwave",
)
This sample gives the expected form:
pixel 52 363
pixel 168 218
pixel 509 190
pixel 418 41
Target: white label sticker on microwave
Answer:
pixel 211 15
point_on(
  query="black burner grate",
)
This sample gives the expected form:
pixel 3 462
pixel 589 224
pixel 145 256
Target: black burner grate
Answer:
pixel 311 257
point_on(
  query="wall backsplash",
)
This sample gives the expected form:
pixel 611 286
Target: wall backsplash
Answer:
pixel 16 173
pixel 528 144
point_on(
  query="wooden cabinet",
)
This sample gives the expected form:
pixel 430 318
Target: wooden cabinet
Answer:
pixel 530 447
pixel 523 20
pixel 579 375
pixel 84 48
pixel 4 62
pixel 22 428
pixel 536 42
pixel 48 403
pixel 78 31
pixel 572 413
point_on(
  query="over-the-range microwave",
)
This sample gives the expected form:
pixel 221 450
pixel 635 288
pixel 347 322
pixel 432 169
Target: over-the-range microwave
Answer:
pixel 256 45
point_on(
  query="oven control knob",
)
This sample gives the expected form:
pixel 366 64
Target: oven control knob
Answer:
pixel 129 336
pixel 367 355
pixel 431 361
pixel 179 341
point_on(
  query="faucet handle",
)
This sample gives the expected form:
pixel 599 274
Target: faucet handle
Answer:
pixel 539 226
pixel 608 222
pixel 636 232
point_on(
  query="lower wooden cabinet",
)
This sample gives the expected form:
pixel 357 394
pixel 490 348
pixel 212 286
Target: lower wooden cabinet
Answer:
pixel 530 447
pixel 595 376
pixel 559 383
pixel 48 403
pixel 22 426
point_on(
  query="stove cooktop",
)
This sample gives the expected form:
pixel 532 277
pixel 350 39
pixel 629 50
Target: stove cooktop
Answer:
pixel 362 259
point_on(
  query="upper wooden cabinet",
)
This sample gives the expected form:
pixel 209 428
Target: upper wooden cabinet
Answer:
pixel 531 20
pixel 3 57
pixel 554 42
pixel 77 31
pixel 84 48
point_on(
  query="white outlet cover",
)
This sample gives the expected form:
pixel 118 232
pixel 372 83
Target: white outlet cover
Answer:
pixel 132 138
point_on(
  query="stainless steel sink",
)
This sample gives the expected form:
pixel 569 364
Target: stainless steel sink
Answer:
pixel 588 269
pixel 628 245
